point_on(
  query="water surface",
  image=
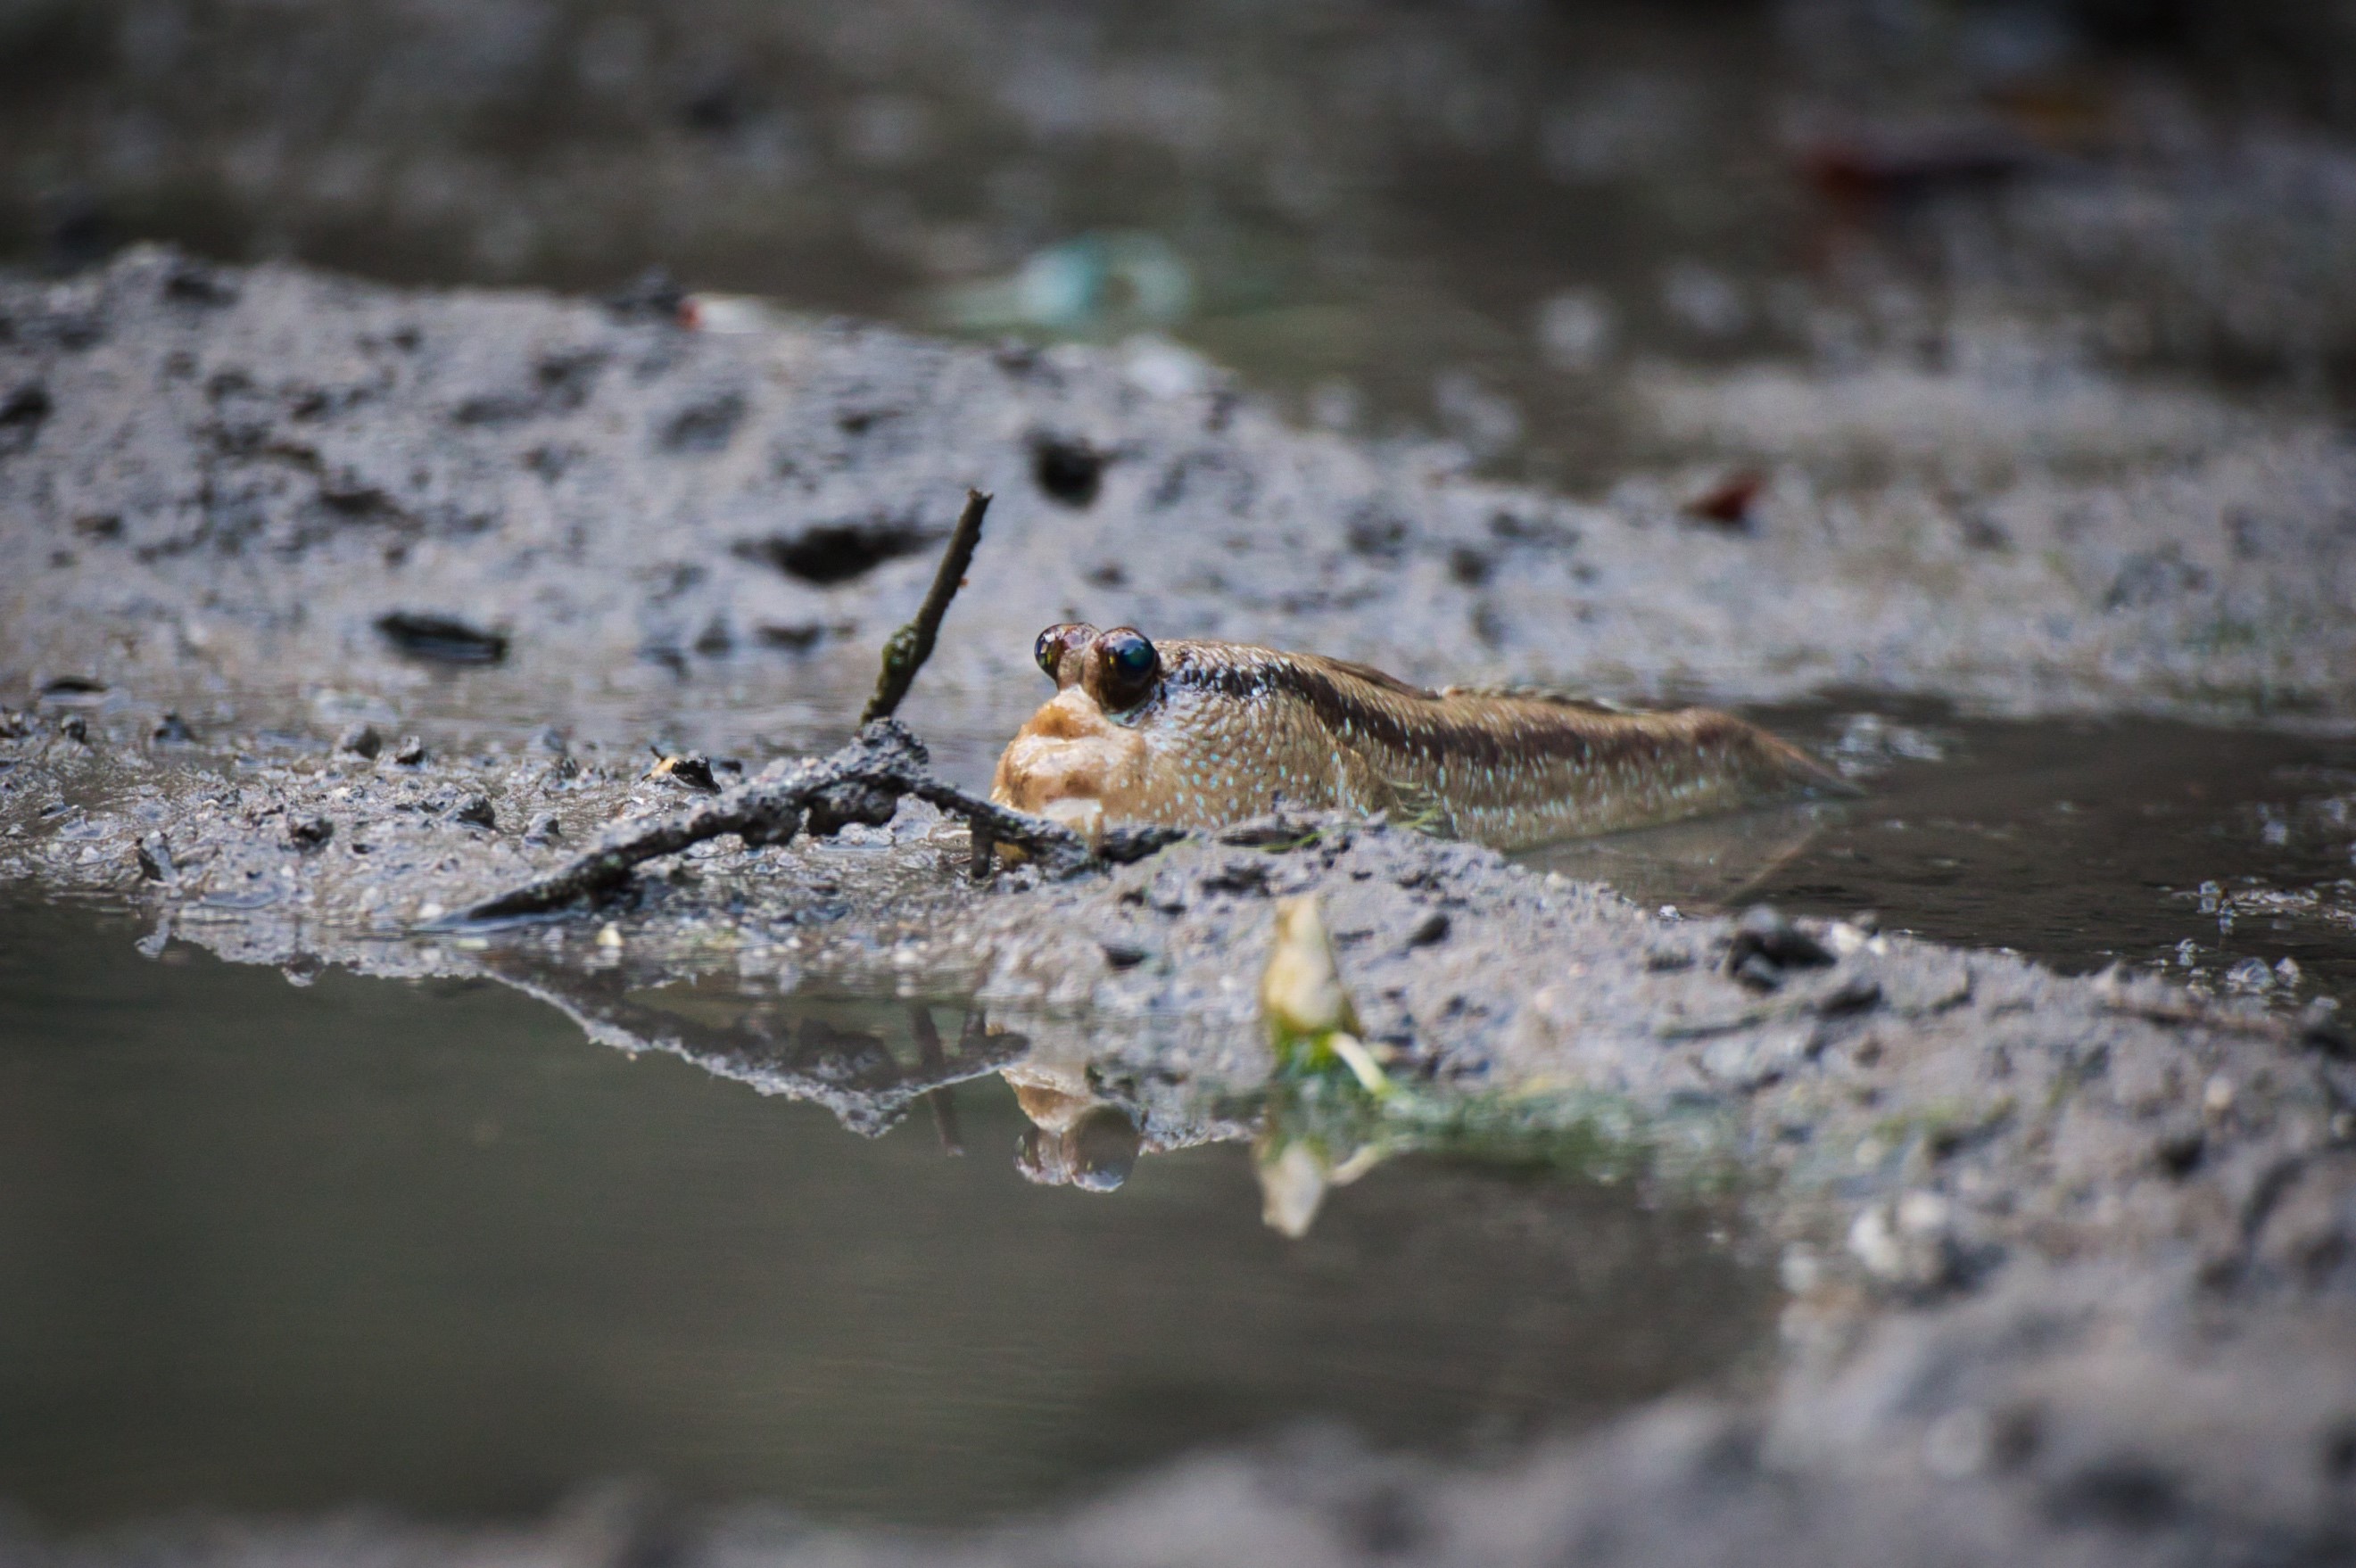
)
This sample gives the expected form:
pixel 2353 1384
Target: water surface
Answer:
pixel 281 1248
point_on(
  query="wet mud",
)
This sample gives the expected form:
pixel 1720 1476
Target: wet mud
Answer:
pixel 281 483
pixel 332 608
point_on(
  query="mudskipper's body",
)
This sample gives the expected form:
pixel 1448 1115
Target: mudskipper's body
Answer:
pixel 1200 734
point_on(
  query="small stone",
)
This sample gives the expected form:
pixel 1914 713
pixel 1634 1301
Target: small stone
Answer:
pixel 545 829
pixel 1123 954
pixel 310 833
pixel 609 935
pixel 155 857
pixel 172 731
pixel 1757 973
pixel 360 741
pixel 1244 875
pixel 1855 994
pixel 2251 975
pixel 410 752
pixel 691 769
pixel 475 812
pixel 1911 1241
pixel 75 728
pixel 1763 931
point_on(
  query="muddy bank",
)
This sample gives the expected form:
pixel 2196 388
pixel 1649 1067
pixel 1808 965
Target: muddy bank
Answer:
pixel 267 526
pixel 274 484
pixel 2068 1261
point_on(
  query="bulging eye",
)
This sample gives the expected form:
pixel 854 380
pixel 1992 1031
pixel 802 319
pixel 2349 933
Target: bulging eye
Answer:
pixel 1126 665
pixel 1054 643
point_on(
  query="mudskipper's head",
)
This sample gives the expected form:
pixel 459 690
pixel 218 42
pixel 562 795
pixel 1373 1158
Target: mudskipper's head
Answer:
pixel 1081 756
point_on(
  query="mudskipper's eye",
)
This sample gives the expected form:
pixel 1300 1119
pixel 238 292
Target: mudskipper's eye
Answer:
pixel 1126 667
pixel 1054 643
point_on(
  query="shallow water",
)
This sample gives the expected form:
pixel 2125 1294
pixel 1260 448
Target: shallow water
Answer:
pixel 2078 844
pixel 284 1248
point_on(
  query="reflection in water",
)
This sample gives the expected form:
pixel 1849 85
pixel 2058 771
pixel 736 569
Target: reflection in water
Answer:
pixel 416 1244
pixel 871 1072
pixel 1074 1141
pixel 1709 863
pixel 1324 1117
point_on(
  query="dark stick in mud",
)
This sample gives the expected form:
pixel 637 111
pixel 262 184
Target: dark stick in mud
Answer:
pixel 863 782
pixel 905 651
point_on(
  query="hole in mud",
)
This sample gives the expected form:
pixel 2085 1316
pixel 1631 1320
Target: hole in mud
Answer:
pixel 838 552
pixel 441 639
pixel 21 418
pixel 286 1249
pixel 68 691
pixel 1071 472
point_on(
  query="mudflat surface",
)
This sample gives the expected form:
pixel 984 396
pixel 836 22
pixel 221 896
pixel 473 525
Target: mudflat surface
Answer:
pixel 1969 383
pixel 229 480
pixel 2008 1208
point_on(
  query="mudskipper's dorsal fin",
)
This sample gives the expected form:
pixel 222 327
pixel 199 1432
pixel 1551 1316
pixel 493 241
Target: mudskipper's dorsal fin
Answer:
pixel 1542 693
pixel 1383 678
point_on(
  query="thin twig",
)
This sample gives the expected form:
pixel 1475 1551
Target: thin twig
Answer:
pixel 861 783
pixel 906 650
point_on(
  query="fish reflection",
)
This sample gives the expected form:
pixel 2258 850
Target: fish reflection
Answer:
pixel 1326 1116
pixel 1711 863
pixel 1093 1149
pixel 869 1062
pixel 872 1063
